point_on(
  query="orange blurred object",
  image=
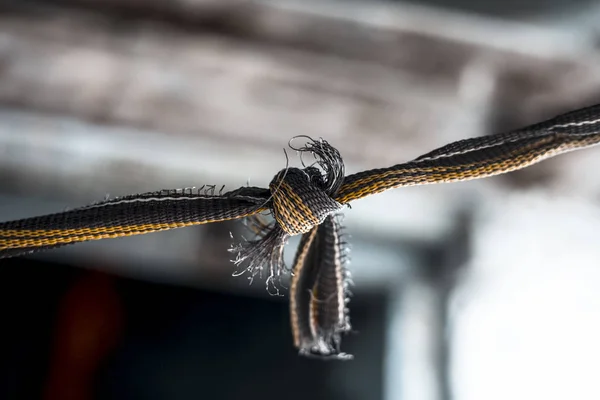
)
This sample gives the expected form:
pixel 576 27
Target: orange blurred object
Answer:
pixel 88 328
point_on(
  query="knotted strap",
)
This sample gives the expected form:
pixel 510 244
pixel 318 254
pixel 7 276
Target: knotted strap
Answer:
pixel 303 201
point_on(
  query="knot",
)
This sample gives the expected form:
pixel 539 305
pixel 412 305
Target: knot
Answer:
pixel 301 199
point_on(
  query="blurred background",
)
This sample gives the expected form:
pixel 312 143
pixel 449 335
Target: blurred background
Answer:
pixel 467 291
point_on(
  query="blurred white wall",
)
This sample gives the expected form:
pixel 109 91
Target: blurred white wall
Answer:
pixel 525 318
